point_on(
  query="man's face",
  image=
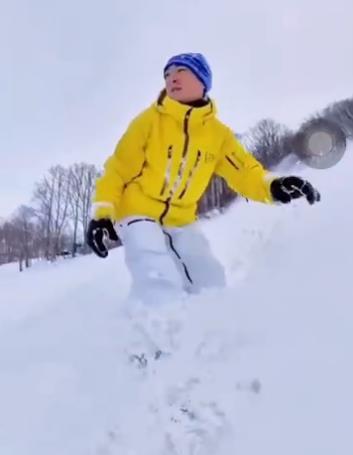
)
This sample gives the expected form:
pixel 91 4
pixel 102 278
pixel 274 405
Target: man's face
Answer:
pixel 182 85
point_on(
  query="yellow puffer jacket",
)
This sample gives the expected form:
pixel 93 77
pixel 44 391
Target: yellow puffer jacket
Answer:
pixel 163 163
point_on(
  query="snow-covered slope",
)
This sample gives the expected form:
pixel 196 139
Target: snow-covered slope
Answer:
pixel 263 366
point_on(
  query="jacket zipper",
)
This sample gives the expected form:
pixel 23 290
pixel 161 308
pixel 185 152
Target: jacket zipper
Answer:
pixel 181 167
pixel 168 171
pixel 191 174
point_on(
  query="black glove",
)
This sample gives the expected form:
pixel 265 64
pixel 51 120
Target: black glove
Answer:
pixel 96 232
pixel 284 189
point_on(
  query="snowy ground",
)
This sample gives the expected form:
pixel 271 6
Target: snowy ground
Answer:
pixel 264 366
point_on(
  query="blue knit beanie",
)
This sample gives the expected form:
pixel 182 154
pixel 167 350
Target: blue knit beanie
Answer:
pixel 195 63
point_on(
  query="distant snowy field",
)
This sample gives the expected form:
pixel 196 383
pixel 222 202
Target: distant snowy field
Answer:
pixel 264 366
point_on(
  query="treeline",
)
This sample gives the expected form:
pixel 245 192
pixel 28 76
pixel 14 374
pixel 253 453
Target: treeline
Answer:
pixel 271 142
pixel 55 223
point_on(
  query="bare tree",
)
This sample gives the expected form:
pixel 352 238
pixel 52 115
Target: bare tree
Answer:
pixel 217 196
pixel 24 234
pixel 89 177
pixel 51 196
pixel 268 142
pixel 76 185
pixel 341 113
pixel 7 244
pixel 81 177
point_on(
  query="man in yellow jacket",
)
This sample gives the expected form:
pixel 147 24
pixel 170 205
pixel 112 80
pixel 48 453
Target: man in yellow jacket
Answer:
pixel 160 169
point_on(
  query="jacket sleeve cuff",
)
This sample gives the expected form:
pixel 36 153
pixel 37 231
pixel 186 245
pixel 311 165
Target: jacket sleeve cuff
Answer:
pixel 269 177
pixel 102 210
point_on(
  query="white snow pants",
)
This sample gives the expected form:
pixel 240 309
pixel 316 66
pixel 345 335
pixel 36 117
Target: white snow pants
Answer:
pixel 164 262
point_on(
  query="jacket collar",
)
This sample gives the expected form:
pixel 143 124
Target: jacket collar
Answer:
pixel 168 106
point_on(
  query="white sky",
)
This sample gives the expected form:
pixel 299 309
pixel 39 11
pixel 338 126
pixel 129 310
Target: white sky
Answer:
pixel 74 73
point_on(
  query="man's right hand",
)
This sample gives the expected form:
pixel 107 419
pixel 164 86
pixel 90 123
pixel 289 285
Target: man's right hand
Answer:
pixel 96 233
pixel 285 189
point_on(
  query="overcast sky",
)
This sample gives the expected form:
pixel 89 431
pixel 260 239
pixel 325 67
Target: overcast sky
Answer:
pixel 74 73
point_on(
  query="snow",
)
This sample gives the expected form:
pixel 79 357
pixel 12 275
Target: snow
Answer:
pixel 263 366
